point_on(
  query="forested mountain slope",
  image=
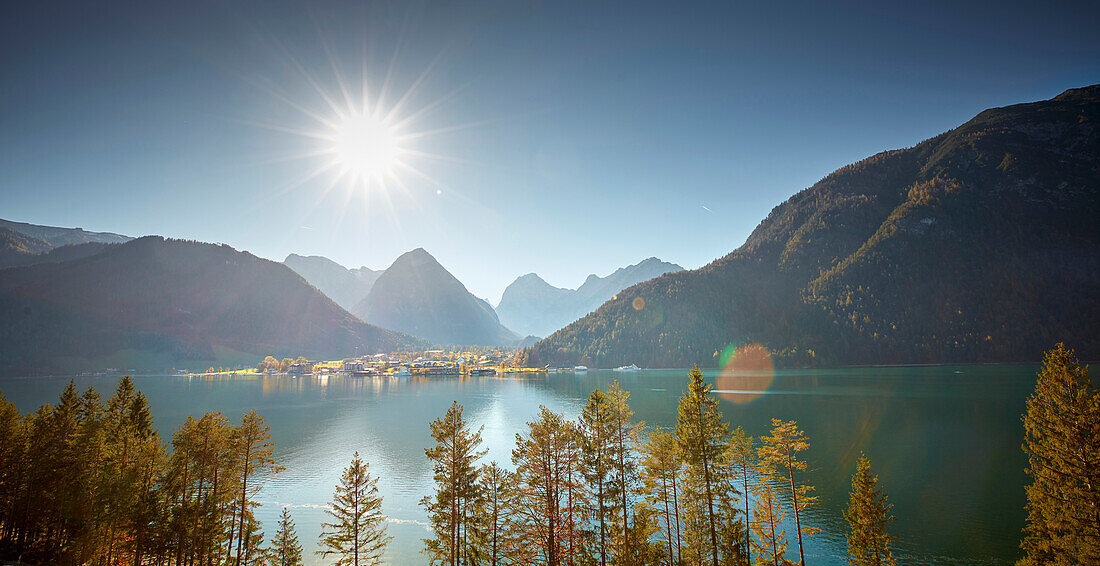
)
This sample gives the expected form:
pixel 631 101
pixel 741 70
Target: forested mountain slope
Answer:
pixel 20 249
pixel 171 302
pixel 980 244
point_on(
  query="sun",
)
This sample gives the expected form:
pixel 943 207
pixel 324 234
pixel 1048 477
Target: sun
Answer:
pixel 365 147
pixel 364 141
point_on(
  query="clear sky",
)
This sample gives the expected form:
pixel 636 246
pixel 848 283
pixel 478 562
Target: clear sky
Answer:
pixel 564 138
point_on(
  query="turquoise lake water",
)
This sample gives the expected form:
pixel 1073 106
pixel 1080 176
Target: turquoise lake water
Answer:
pixel 944 440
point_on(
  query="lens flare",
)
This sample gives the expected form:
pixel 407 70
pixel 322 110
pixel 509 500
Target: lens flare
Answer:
pixel 747 372
pixel 638 303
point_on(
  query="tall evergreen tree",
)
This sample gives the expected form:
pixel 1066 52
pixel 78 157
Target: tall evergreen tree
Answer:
pixel 357 533
pixel 285 549
pixel 496 512
pixel 1062 443
pixel 701 434
pixel 597 465
pixel 454 463
pixel 624 442
pixel 254 449
pixel 779 457
pixel 12 464
pixel 742 456
pixel 868 514
pixel 770 542
pixel 542 458
pixel 661 470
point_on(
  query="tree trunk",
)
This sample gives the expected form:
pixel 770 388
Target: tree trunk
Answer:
pixel 244 500
pixel 710 496
pixel 794 499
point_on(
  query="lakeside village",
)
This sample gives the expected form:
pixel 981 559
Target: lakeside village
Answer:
pixel 403 364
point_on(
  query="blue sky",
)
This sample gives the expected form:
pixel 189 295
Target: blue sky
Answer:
pixel 575 137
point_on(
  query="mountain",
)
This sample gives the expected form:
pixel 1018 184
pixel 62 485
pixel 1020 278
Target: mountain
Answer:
pixel 20 249
pixel 416 295
pixel 980 244
pixel 57 237
pixel 152 303
pixel 16 247
pixel 345 286
pixel 532 306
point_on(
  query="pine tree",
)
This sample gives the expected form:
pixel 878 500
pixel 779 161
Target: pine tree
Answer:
pixel 542 458
pixel 742 457
pixel 701 434
pixel 12 464
pixel 597 466
pixel 770 542
pixel 357 534
pixel 868 514
pixel 660 471
pixel 496 511
pixel 1062 443
pixel 779 457
pixel 254 454
pixel 624 441
pixel 285 549
pixel 454 462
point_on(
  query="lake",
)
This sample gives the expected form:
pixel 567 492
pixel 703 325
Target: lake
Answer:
pixel 944 440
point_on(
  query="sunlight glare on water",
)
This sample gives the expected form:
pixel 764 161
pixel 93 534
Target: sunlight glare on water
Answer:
pixel 946 445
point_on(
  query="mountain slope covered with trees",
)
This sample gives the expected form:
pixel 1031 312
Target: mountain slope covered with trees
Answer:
pixel 171 302
pixel 979 244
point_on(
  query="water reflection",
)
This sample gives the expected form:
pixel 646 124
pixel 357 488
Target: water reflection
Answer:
pixel 945 445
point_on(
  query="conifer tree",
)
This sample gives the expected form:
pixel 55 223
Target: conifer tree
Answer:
pixel 254 450
pixel 357 534
pixel 597 467
pixel 454 463
pixel 868 514
pixel 701 434
pixel 496 512
pixel 285 549
pixel 1062 443
pixel 12 463
pixel 770 542
pixel 742 457
pixel 660 471
pixel 542 458
pixel 779 458
pixel 624 441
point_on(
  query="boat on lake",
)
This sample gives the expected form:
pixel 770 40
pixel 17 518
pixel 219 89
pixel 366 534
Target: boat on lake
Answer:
pixel 630 367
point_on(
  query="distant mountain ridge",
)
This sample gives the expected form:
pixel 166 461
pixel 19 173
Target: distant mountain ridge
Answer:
pixel 980 244
pixel 418 296
pixel 56 236
pixel 345 286
pixel 532 306
pixel 151 303
pixel 18 249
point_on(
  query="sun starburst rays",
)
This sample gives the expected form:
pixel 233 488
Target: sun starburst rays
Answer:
pixel 358 139
pixel 363 140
